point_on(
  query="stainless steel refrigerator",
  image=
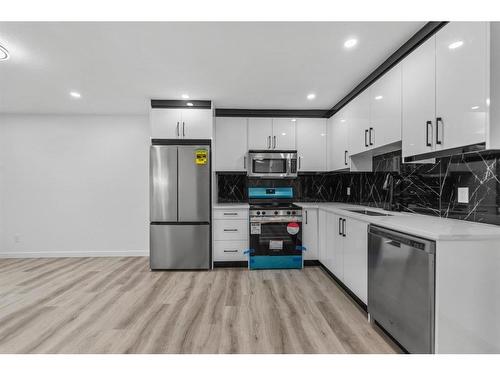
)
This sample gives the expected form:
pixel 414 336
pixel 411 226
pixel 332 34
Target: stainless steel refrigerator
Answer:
pixel 180 205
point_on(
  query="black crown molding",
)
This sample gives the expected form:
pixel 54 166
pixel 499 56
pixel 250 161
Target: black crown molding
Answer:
pixel 428 30
pixel 226 112
pixel 159 103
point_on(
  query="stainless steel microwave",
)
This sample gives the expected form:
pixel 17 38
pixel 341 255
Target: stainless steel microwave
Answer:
pixel 272 164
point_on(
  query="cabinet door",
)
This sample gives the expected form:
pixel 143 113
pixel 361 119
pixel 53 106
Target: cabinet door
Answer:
pixel 358 119
pixel 338 154
pixel 311 144
pixel 284 130
pixel 337 262
pixel 461 84
pixel 419 95
pixel 385 109
pixel 197 123
pixel 230 143
pixel 260 132
pixel 322 233
pixel 331 236
pixel 310 233
pixel 165 123
pixel 355 256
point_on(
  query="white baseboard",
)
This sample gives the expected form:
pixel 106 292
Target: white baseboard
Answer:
pixel 79 254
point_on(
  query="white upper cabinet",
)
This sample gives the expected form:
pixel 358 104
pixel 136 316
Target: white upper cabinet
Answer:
pixel 230 143
pixel 445 90
pixel 385 109
pixel 357 115
pixel 311 144
pixel 260 133
pixel 271 134
pixel 461 84
pixel 283 137
pixel 197 123
pixel 180 123
pixel 338 142
pixel 419 98
pixel 165 123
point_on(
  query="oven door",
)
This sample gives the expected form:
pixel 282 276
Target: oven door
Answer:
pixel 272 165
pixel 275 237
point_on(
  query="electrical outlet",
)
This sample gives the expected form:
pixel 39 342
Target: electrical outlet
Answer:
pixel 17 238
pixel 348 191
pixel 463 195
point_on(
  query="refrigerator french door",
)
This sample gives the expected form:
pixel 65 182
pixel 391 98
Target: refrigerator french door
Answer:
pixel 179 205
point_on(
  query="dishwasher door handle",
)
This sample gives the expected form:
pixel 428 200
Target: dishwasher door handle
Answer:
pixel 393 243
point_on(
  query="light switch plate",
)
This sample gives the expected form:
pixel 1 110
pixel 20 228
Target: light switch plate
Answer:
pixel 463 195
pixel 348 191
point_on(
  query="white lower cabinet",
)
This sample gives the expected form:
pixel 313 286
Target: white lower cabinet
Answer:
pixel 230 234
pixel 343 250
pixel 225 251
pixel 355 257
pixel 310 233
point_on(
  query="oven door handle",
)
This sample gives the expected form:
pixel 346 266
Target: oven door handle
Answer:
pixel 276 221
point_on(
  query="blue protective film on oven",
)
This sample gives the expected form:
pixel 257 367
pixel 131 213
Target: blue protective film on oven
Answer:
pixel 263 262
pixel 277 192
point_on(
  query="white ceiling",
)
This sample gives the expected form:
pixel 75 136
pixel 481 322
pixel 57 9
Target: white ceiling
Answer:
pixel 118 67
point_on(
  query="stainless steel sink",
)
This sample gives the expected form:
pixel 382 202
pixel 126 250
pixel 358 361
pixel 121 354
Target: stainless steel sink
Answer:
pixel 370 213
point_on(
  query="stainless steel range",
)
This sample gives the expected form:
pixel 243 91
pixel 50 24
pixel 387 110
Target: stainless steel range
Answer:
pixel 275 229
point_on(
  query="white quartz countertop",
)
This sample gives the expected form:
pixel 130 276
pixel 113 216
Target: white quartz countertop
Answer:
pixel 231 206
pixel 434 228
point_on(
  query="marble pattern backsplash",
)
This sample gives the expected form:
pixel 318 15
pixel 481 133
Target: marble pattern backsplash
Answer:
pixel 425 188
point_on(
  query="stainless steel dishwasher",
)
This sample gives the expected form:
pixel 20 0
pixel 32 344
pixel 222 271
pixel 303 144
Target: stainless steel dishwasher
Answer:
pixel 401 287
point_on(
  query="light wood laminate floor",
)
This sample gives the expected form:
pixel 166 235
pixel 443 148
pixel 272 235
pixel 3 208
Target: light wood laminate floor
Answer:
pixel 117 305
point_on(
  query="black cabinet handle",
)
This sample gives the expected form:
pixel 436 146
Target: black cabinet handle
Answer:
pixel 230 251
pixel 306 216
pixel 345 157
pixel 366 141
pixel 340 226
pixel 427 142
pixel 230 230
pixel 343 227
pixel 230 214
pixel 371 142
pixel 438 120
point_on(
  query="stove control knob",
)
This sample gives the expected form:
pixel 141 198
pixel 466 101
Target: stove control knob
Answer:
pixel 288 212
pixel 276 212
pixel 263 212
pixel 258 212
pixel 293 212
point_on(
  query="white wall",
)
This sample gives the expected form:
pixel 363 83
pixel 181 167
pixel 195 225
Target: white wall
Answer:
pixel 73 185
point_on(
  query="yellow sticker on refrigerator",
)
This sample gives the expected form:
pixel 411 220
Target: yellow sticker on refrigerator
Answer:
pixel 201 156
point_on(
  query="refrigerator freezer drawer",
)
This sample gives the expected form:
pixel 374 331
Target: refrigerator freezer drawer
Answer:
pixel 180 246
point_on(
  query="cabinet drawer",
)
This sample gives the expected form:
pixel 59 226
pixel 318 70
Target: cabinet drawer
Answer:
pixel 231 214
pixel 227 230
pixel 230 251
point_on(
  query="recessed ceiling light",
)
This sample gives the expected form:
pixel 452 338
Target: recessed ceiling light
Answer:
pixel 283 133
pixel 474 107
pixel 379 97
pixel 185 96
pixel 349 43
pixel 456 44
pixel 189 104
pixel 294 119
pixel 75 94
pixel 342 120
pixel 311 96
pixel 4 54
